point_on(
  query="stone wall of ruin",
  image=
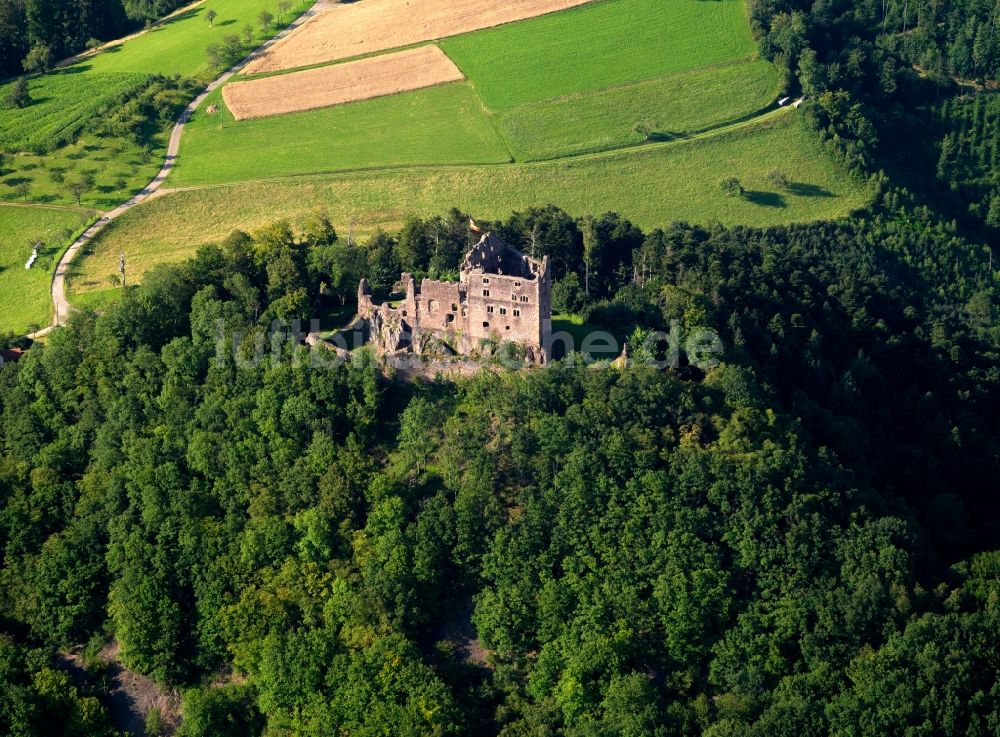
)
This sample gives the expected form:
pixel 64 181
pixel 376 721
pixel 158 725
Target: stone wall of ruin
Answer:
pixel 513 306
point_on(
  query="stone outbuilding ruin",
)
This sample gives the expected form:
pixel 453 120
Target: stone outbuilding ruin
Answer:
pixel 502 295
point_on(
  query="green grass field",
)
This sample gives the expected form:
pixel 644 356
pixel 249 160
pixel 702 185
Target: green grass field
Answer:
pixel 24 294
pixel 601 45
pixel 439 125
pixel 63 102
pixel 652 185
pixel 178 44
pixel 670 107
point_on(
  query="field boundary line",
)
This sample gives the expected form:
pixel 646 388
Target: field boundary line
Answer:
pixel 43 206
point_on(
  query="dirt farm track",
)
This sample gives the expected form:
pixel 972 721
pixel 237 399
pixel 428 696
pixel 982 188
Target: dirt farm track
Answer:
pixel 354 29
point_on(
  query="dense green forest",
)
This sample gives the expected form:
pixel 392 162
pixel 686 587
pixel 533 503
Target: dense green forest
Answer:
pixel 35 33
pixel 790 543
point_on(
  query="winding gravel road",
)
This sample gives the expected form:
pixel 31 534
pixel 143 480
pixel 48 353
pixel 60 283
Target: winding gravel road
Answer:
pixel 59 301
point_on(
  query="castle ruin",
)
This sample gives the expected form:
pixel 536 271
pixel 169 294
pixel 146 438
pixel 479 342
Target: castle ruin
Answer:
pixel 501 296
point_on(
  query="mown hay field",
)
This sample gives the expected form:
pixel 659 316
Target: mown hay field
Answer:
pixel 24 294
pixel 598 46
pixel 443 124
pixel 364 79
pixel 652 185
pixel 355 29
pixel 658 109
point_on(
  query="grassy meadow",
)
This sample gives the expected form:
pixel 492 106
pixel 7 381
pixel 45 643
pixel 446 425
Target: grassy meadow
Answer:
pixel 177 45
pixel 597 46
pixel 658 109
pixel 439 125
pixel 553 111
pixel 652 185
pixel 24 294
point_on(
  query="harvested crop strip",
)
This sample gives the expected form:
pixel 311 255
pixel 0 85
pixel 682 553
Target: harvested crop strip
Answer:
pixel 334 85
pixel 354 29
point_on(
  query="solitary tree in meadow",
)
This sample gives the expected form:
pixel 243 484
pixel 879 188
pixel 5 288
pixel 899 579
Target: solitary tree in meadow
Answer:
pixel 283 7
pixel 82 184
pixel 22 190
pixel 778 178
pixel 266 19
pixel 248 34
pixel 18 96
pixel 210 16
pixel 732 187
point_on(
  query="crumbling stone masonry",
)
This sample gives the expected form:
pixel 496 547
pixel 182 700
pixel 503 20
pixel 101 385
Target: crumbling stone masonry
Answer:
pixel 502 296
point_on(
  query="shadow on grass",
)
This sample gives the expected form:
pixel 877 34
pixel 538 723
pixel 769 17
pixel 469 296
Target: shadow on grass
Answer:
pixel 76 68
pixel 802 189
pixel 765 199
pixel 167 22
pixel 664 136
